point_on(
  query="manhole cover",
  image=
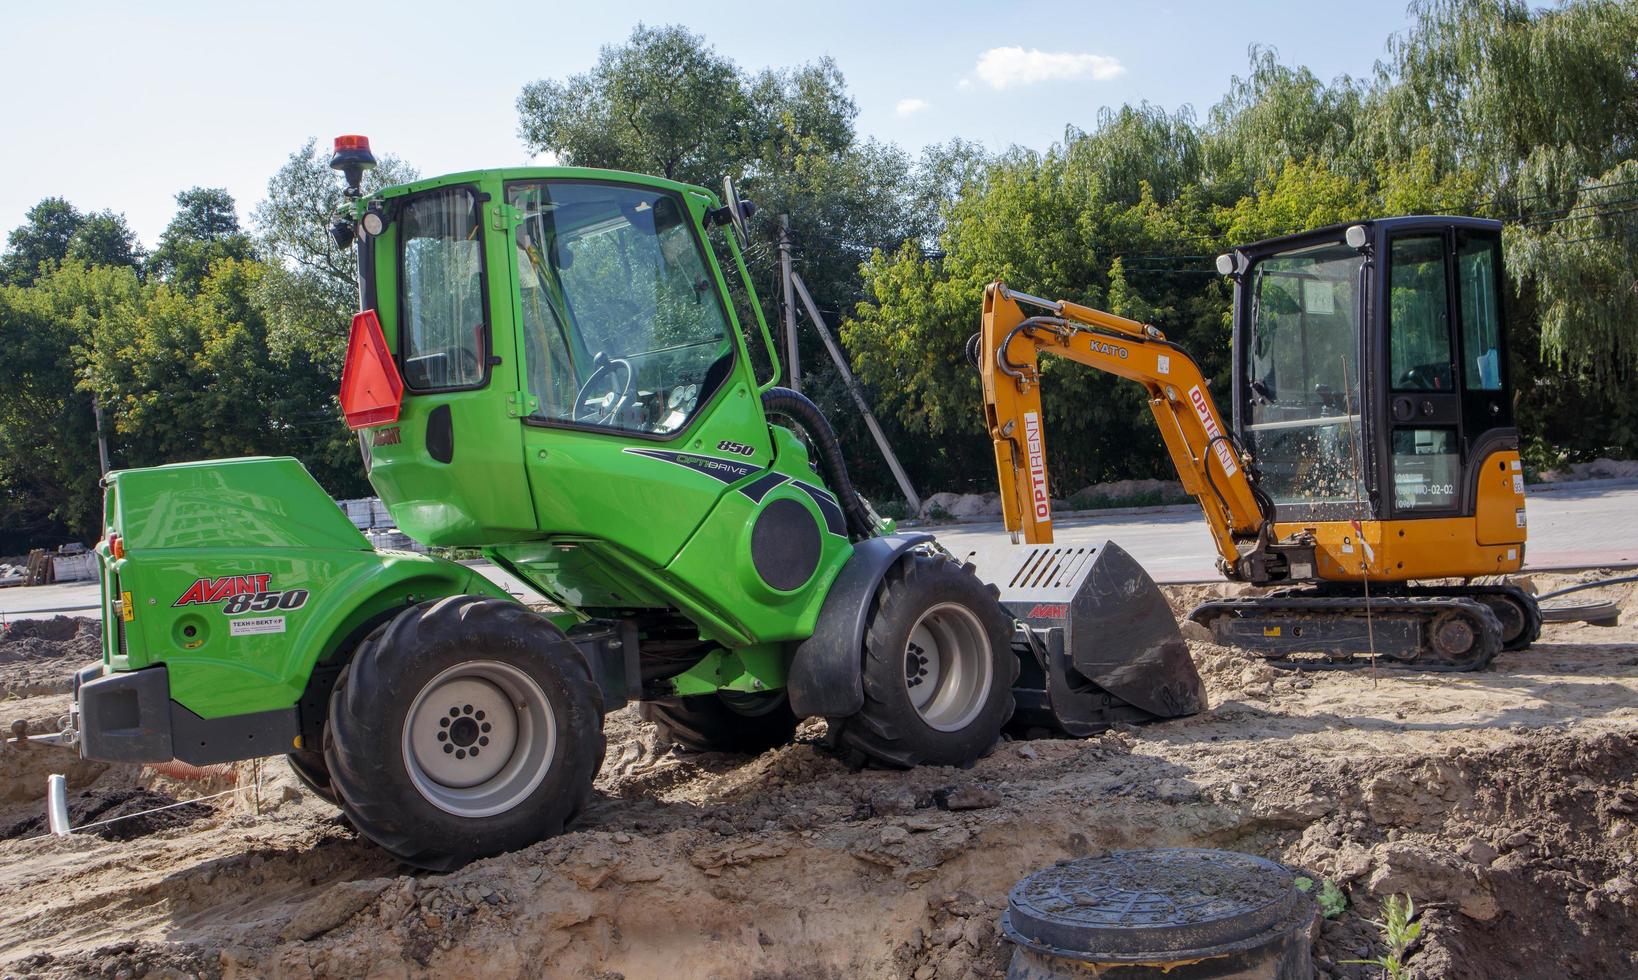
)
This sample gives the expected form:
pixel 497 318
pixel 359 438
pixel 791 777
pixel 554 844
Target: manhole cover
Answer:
pixel 1154 905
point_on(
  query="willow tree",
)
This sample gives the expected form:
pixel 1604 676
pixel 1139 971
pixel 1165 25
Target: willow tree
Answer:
pixel 1541 107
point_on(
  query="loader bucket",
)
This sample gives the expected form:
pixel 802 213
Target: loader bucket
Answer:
pixel 1097 640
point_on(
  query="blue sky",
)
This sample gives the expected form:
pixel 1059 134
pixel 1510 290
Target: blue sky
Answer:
pixel 121 105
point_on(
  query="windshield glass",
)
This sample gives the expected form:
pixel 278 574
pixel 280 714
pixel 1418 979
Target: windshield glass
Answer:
pixel 1302 370
pixel 622 322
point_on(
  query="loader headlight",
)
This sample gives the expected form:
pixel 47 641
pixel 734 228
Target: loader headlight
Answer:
pixel 1356 236
pixel 1225 264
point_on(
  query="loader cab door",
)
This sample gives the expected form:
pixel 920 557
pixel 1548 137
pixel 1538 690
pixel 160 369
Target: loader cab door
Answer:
pixel 1443 365
pixel 638 411
pixel 450 468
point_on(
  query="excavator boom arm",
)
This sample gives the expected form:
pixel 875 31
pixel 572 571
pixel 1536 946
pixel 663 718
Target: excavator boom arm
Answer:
pixel 1210 463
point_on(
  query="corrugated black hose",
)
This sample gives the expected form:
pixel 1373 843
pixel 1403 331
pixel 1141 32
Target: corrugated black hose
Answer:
pixel 796 407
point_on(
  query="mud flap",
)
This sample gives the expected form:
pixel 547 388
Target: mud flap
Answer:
pixel 1098 641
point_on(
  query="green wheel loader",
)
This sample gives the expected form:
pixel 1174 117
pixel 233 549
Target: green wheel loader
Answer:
pixel 555 365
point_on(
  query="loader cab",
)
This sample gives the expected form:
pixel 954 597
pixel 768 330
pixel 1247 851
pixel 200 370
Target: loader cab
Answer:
pixel 556 330
pixel 1370 378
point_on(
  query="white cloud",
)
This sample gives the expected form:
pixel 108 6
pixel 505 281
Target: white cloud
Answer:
pixel 909 107
pixel 1004 67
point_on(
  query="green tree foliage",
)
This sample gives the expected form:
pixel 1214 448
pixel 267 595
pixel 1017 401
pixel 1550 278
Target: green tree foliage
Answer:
pixel 310 290
pixel 48 449
pixel 1482 107
pixel 104 238
pixel 220 343
pixel 664 103
pixel 204 231
pixel 44 236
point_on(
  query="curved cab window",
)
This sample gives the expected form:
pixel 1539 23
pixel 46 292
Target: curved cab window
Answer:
pixel 623 324
pixel 442 281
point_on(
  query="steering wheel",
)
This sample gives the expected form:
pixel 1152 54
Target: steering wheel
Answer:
pixel 604 366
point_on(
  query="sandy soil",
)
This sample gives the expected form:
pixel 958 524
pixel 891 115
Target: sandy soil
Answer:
pixel 1504 802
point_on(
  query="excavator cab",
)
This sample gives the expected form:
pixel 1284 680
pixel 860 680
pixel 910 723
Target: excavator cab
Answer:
pixel 1371 385
pixel 1387 441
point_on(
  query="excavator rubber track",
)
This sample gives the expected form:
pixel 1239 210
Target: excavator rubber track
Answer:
pixel 1518 611
pixel 1428 632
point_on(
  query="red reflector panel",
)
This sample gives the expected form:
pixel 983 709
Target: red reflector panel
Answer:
pixel 371 389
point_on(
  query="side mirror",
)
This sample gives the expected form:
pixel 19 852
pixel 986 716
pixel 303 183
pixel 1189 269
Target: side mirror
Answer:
pixel 738 209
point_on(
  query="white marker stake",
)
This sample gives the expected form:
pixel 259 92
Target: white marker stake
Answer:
pixel 57 804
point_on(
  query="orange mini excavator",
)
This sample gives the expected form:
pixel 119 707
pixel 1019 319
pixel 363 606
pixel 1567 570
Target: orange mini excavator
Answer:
pixel 1370 453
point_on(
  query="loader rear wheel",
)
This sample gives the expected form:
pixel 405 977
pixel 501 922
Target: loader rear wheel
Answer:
pixel 725 722
pixel 938 668
pixel 468 727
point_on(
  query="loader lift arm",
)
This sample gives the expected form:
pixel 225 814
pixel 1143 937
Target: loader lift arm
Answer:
pixel 1213 467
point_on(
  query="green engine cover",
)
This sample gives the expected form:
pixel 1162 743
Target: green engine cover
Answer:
pixel 240 574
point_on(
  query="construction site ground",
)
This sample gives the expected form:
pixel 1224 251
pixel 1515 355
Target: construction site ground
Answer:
pixel 1503 802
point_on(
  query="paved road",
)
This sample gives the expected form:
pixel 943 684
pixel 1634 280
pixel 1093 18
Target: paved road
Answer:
pixel 1578 526
pixel 1575 526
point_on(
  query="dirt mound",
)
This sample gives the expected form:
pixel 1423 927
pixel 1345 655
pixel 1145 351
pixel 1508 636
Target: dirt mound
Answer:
pixel 39 656
pixel 1521 858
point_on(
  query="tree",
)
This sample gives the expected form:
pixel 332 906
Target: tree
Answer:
pixel 44 236
pixel 205 230
pixel 104 238
pixel 664 103
pixel 1278 113
pixel 48 449
pixel 311 288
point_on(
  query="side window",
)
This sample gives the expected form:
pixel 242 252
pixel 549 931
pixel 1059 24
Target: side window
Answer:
pixel 443 324
pixel 1418 315
pixel 1481 314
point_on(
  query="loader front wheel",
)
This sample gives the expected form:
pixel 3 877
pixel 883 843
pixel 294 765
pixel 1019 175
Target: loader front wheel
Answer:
pixel 724 722
pixel 938 668
pixel 468 727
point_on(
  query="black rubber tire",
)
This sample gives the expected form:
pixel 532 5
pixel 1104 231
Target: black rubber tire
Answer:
pixel 312 773
pixel 372 699
pixel 888 730
pixel 709 723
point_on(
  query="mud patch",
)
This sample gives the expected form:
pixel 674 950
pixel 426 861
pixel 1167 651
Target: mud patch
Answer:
pixel 95 805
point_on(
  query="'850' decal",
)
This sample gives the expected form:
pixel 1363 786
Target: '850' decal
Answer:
pixel 242 594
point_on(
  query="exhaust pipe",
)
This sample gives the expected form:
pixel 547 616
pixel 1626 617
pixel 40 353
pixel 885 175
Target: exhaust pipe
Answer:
pixel 1098 642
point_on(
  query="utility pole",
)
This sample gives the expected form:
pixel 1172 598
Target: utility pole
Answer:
pixel 853 389
pixel 792 357
pixel 102 440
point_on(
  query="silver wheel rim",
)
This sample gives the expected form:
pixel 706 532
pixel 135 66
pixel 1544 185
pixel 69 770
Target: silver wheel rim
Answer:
pixel 947 667
pixel 479 738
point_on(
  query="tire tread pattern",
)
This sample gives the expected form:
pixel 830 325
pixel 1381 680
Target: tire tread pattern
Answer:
pixel 885 729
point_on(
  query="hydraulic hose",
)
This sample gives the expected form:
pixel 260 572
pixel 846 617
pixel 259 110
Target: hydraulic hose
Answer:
pixel 795 406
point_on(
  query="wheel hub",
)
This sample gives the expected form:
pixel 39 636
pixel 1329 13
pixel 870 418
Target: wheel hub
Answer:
pixel 1453 636
pixel 478 738
pixel 947 667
